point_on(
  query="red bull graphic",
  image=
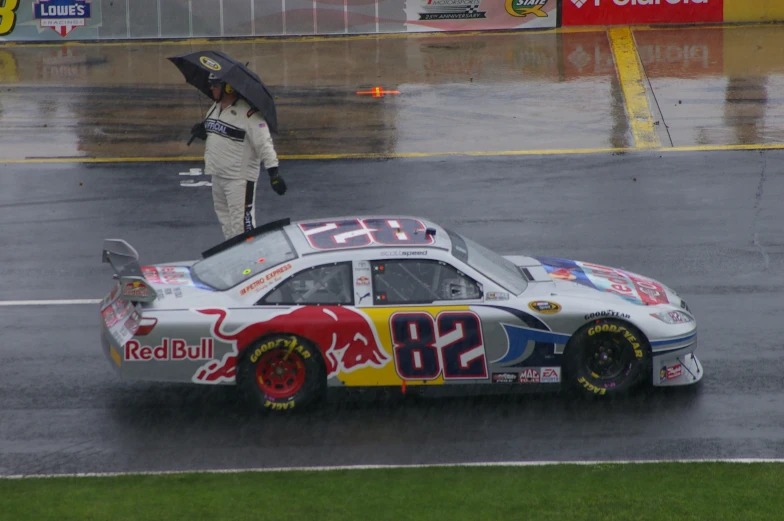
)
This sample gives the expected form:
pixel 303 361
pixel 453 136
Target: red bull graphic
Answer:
pixel 136 289
pixel 346 338
pixel 633 288
pixel 626 285
pixel 169 349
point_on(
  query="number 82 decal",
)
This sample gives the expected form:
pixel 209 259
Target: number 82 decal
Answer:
pixel 450 345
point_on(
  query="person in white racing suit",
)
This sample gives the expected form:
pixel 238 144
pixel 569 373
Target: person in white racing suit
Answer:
pixel 238 142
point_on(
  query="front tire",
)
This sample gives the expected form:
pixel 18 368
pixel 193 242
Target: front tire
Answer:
pixel 281 373
pixel 607 358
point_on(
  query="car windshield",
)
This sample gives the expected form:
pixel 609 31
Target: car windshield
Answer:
pixel 493 266
pixel 245 260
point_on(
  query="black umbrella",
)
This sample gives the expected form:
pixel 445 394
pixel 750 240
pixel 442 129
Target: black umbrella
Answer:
pixel 197 67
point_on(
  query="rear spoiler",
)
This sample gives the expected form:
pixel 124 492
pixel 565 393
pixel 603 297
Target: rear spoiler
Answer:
pixel 125 262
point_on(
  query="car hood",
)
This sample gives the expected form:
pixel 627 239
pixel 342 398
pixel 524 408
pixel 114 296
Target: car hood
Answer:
pixel 579 277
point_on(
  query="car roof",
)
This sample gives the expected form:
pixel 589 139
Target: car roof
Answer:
pixel 355 232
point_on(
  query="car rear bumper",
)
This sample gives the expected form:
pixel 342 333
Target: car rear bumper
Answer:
pixel 111 351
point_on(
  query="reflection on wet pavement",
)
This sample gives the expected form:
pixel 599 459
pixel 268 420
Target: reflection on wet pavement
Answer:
pixel 713 85
pixel 511 91
pixel 458 93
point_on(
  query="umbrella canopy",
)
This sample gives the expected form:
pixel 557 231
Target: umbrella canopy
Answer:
pixel 197 67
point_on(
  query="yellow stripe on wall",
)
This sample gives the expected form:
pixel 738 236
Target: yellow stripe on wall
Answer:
pixel 753 11
pixel 632 79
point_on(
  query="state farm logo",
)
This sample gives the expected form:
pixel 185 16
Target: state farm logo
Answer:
pixel 597 3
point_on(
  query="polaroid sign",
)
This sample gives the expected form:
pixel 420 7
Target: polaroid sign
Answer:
pixel 63 16
pixel 629 12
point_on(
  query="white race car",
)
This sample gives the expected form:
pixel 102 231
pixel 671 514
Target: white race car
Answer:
pixel 289 309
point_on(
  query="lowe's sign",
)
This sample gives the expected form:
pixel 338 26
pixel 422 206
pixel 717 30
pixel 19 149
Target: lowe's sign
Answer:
pixel 63 16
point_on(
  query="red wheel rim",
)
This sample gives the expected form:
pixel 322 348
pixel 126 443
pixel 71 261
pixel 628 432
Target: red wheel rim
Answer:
pixel 280 374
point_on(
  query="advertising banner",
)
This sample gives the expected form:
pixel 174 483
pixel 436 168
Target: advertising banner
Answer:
pixel 631 12
pixel 41 20
pixel 49 19
pixel 480 15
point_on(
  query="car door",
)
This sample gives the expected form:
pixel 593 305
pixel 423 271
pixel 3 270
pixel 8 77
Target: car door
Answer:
pixel 317 303
pixel 423 308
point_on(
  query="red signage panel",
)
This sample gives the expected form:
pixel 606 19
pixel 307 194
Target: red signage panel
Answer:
pixel 630 12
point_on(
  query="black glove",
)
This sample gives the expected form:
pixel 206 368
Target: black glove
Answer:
pixel 199 131
pixel 276 181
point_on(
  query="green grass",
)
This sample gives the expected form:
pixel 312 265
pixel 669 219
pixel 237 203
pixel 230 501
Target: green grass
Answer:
pixel 633 492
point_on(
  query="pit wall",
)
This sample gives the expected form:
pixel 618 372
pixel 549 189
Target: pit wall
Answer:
pixel 90 20
pixel 144 19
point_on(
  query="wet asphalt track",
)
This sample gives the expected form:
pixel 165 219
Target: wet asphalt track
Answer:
pixel 709 224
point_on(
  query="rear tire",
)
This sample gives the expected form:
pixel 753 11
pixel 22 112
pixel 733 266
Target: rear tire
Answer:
pixel 606 358
pixel 281 373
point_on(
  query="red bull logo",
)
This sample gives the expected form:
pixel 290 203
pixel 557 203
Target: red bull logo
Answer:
pixel 345 337
pixel 136 289
pixel 626 284
pixel 169 349
pixel 563 274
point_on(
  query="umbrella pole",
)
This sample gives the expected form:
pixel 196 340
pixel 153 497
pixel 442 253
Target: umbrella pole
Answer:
pixel 200 112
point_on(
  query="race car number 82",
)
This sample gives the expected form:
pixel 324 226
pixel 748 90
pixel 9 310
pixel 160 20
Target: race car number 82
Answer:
pixel 451 345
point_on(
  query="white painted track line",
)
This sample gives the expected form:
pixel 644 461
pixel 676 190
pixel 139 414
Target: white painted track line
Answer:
pixel 377 467
pixel 9 303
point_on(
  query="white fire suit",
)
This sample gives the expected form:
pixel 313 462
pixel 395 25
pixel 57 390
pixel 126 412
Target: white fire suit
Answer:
pixel 238 142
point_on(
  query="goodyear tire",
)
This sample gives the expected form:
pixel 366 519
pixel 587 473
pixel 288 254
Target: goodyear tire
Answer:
pixel 607 358
pixel 282 373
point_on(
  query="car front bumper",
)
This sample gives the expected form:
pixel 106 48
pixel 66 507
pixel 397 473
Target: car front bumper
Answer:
pixel 680 367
